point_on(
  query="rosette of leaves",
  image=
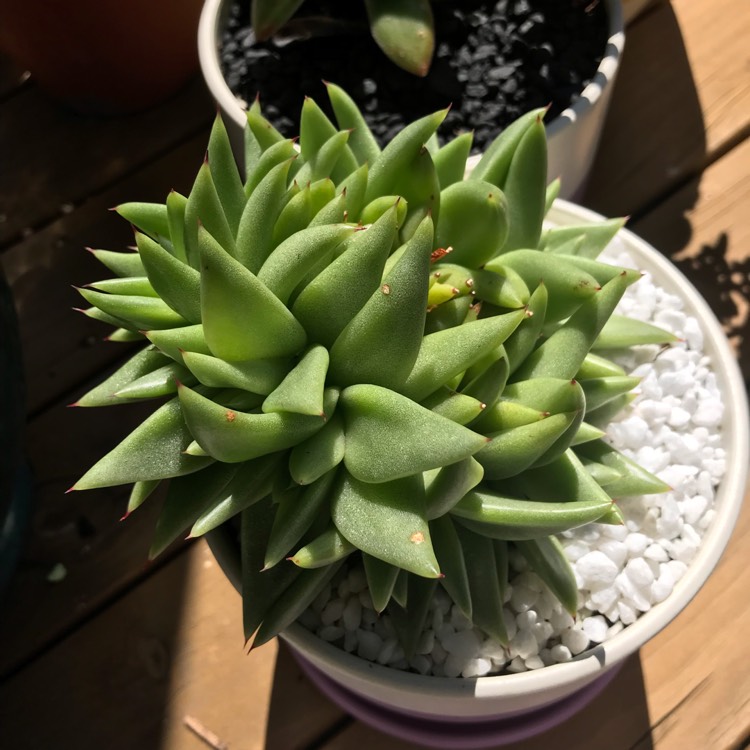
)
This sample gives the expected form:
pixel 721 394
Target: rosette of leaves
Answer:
pixel 359 355
pixel 403 29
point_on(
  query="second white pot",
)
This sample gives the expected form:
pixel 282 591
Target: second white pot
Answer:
pixel 572 137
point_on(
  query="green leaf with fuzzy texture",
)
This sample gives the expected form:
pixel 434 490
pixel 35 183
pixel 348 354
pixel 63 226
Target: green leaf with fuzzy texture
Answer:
pixel 258 375
pixel 139 493
pixel 160 382
pixel 444 487
pixel 263 207
pixel 493 515
pixel 564 351
pixel 409 624
pixel 495 162
pixel 450 160
pixel 145 361
pixel 144 313
pixel 386 521
pixel 295 514
pixel 323 162
pixel 567 285
pixel 150 218
pixel 362 142
pixel 265 329
pixel 320 453
pixel 176 207
pixel 600 391
pixel 289 263
pixel 173 341
pixel 137 285
pixel 525 188
pixel 388 436
pixel 519 448
pixel 620 332
pixel 301 391
pixel 225 174
pixel 381 343
pixel 448 353
pixel 405 31
pixel 457 407
pixel 252 482
pixel 389 169
pixel 204 209
pixel 154 450
pixel 635 479
pixel 590 239
pixel 121 264
pixel 551 194
pixel 354 186
pixel 484 583
pixel 473 221
pixel 523 340
pixel 450 556
pixel 381 578
pixel 547 559
pixel 176 282
pixel 329 547
pixel 187 498
pixel 233 436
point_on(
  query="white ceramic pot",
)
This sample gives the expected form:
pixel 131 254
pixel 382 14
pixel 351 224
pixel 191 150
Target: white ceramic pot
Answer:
pixel 572 136
pixel 502 696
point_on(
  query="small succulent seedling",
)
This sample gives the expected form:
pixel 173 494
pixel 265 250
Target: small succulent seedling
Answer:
pixel 403 29
pixel 359 354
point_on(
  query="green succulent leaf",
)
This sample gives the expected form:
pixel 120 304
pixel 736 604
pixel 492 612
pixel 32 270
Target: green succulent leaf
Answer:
pixel 404 30
pixel 329 547
pixel 409 623
pixel 493 515
pixel 266 328
pixel 450 160
pixel 450 556
pixel 301 391
pixel 154 450
pixel 362 142
pixel 150 218
pixel 295 514
pixel 251 482
pixel 381 578
pixel 381 343
pixel 260 376
pixel 547 559
pixel 320 453
pixel 388 436
pixel 143 362
pixel 121 264
pixel 139 493
pixel 386 521
pixel 225 174
pixel 485 586
pixel 620 332
pixel 233 436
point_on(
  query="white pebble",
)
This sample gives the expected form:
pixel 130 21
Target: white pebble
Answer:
pixel 575 640
pixel 453 665
pixel 332 612
pixel 561 653
pixel 596 568
pixel 523 598
pixel 462 644
pixel 369 645
pixel 352 617
pixel 523 644
pixel 595 628
pixel 533 662
pixel 639 572
pixel 331 633
pixel 477 668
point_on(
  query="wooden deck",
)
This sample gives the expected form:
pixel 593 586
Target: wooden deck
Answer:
pixel 124 656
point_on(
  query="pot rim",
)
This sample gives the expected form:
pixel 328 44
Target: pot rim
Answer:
pixel 593 662
pixel 209 30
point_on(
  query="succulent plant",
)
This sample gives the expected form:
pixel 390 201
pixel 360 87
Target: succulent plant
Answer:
pixel 403 29
pixel 361 353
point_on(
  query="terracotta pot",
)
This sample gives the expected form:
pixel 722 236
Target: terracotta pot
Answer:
pixel 572 137
pixel 104 56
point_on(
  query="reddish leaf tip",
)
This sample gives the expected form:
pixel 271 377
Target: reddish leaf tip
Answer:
pixel 72 489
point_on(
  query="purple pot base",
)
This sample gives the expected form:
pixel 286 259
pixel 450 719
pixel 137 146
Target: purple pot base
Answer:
pixel 455 734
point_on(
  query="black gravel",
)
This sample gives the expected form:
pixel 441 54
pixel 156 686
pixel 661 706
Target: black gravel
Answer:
pixel 494 60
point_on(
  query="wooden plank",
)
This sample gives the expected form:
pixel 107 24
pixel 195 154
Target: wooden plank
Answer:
pixel 79 531
pixel 704 229
pixel 62 349
pixel 54 159
pixel 169 650
pixel 682 97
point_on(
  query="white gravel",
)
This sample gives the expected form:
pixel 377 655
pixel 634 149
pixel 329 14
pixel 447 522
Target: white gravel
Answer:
pixel 672 429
